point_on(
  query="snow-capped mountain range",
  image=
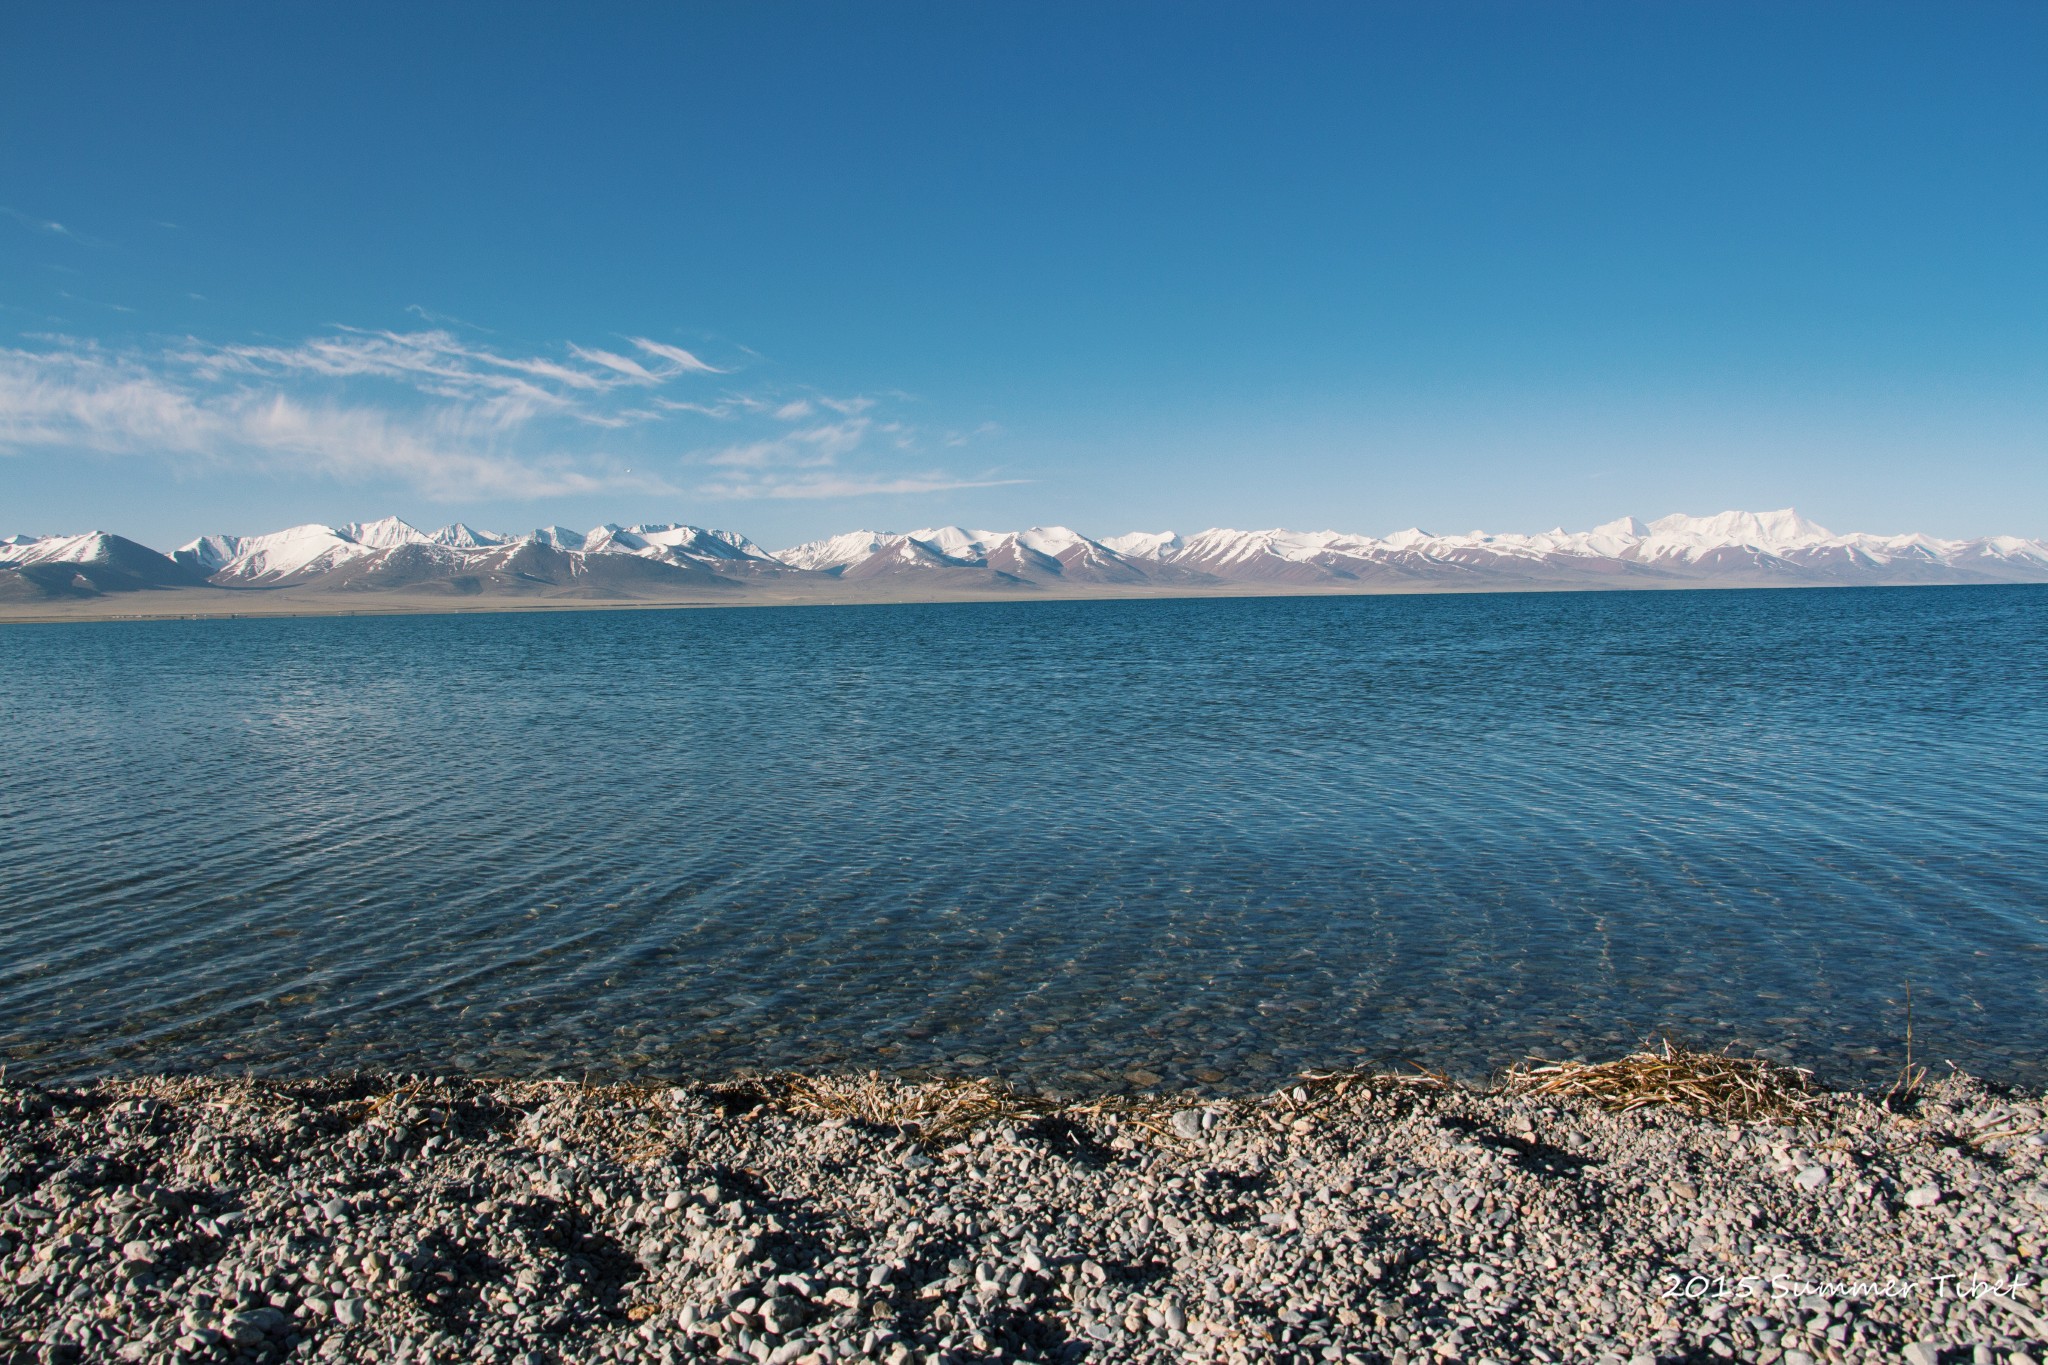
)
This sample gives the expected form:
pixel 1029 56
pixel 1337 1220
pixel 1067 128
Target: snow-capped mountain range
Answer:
pixel 653 561
pixel 304 552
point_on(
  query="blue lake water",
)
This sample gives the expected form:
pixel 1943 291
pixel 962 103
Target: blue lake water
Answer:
pixel 1216 841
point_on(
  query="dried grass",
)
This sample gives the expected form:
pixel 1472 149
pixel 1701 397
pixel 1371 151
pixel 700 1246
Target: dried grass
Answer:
pixel 1703 1084
pixel 1911 1084
pixel 939 1111
pixel 1152 1113
pixel 933 1110
pixel 1316 1085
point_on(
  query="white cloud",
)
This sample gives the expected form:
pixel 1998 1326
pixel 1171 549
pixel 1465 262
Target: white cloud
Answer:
pixel 961 438
pixel 676 356
pixel 806 463
pixel 446 319
pixel 450 416
pixel 632 369
pixel 48 225
pixel 85 399
pixel 805 449
pixel 837 485
pixel 94 303
pixel 724 411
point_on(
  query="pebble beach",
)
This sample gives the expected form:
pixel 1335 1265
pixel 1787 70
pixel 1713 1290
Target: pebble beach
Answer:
pixel 1356 1219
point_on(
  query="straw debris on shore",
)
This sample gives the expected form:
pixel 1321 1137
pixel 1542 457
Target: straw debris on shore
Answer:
pixel 928 1110
pixel 1664 1208
pixel 1702 1084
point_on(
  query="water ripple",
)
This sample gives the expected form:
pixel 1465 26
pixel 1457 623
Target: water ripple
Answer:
pixel 1217 840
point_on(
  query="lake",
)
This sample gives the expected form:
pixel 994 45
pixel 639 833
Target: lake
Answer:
pixel 1080 845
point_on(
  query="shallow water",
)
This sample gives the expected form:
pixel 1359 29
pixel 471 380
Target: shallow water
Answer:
pixel 1217 841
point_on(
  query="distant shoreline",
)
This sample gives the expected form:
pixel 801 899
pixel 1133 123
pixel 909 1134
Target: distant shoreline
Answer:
pixel 209 604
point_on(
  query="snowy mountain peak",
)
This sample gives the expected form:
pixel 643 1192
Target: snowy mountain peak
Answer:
pixel 1223 546
pixel 693 540
pixel 464 537
pixel 955 542
pixel 1051 540
pixel 78 549
pixel 211 552
pixel 741 546
pixel 1144 544
pixel 1780 530
pixel 835 552
pixel 612 537
pixel 384 533
pixel 558 538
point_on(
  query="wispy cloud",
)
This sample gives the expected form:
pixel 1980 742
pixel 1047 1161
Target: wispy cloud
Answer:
pixel 456 417
pixel 837 485
pixel 676 356
pixel 979 433
pixel 94 303
pixel 426 315
pixel 618 364
pixel 807 463
pixel 86 399
pixel 805 448
pixel 48 225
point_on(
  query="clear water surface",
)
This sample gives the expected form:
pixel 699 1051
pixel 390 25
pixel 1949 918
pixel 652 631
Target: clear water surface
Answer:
pixel 1075 844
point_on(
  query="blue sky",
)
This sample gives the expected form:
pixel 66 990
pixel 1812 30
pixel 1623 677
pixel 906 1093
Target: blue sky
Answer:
pixel 793 269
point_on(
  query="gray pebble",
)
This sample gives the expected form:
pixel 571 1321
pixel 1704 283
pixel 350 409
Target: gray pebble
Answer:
pixel 568 1222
